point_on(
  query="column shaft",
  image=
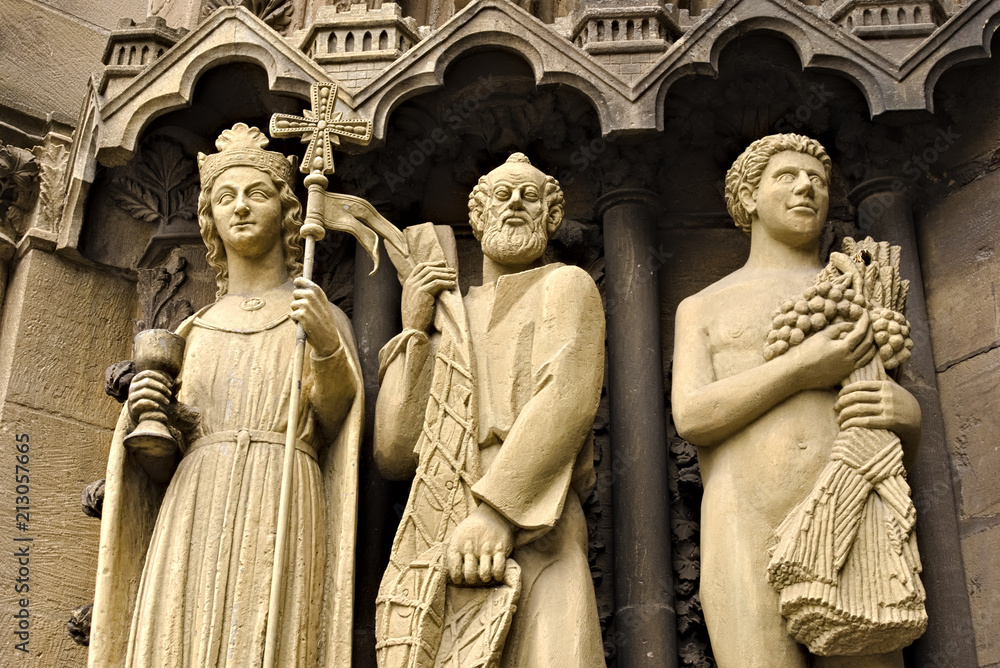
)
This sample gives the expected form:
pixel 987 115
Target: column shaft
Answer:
pixel 885 213
pixel 644 598
pixel 376 319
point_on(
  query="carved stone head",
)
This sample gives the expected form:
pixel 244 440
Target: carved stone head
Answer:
pixel 744 178
pixel 243 147
pixel 514 210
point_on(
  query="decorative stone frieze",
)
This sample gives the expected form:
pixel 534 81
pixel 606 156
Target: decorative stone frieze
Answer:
pixel 627 40
pixel 354 46
pixel 132 48
pixel 882 19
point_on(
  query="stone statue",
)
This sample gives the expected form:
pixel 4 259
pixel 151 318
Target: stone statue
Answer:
pixel 193 589
pixel 489 401
pixel 770 427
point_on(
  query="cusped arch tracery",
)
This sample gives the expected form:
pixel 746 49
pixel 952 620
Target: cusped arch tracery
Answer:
pixel 230 35
pixel 500 26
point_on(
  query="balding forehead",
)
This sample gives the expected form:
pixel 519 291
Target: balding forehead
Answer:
pixel 516 172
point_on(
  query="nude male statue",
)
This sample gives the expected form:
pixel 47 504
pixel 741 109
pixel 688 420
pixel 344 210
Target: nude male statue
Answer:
pixel 765 430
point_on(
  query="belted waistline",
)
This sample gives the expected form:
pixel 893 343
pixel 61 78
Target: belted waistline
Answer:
pixel 244 437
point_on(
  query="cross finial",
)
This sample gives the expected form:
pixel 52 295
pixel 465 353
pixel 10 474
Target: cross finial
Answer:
pixel 322 128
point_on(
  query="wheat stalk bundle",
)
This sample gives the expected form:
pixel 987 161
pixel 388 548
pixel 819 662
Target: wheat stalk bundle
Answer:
pixel 845 560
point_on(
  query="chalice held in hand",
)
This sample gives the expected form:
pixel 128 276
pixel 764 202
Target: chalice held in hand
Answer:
pixel 163 351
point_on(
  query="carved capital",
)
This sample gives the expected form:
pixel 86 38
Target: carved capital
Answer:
pixel 18 188
pixel 882 186
pixel 621 196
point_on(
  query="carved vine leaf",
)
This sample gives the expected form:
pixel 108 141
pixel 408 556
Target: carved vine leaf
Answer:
pixel 161 187
pixel 183 204
pixel 18 185
pixel 275 13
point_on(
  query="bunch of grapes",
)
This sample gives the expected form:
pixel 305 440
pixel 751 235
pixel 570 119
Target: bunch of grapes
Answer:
pixel 892 336
pixel 827 303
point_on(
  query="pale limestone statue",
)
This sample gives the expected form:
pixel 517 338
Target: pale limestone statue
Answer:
pixel 489 401
pixel 193 589
pixel 769 427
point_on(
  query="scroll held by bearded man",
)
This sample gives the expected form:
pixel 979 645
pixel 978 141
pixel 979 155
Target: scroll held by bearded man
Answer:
pixel 488 401
pixel 188 536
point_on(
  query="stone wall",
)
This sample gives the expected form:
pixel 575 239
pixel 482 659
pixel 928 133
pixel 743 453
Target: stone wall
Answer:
pixel 958 238
pixel 958 235
pixel 61 325
pixel 36 35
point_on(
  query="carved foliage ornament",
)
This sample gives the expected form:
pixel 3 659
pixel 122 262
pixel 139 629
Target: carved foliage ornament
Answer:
pixel 18 185
pixel 161 188
pixel 275 13
pixel 52 158
pixel 157 289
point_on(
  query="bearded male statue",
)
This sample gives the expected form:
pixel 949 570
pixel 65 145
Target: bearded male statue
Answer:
pixel 488 400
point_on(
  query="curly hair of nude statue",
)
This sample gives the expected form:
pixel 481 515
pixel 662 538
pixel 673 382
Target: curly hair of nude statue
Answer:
pixel 748 169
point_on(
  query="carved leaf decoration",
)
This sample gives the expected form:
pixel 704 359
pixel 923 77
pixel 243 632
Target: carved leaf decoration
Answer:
pixel 275 13
pixel 18 170
pixel 161 308
pixel 17 166
pixel 52 160
pixel 184 204
pixel 164 166
pixel 689 475
pixel 135 200
pixel 692 653
pixel 173 314
pixel 686 561
pixel 161 187
pixel 684 529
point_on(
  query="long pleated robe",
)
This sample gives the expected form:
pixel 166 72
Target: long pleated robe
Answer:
pixel 203 597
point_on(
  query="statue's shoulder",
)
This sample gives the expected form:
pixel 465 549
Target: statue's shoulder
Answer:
pixel 569 277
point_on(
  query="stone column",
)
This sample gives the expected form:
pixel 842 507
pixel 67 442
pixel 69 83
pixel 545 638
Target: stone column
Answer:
pixel 644 595
pixel 376 319
pixel 885 213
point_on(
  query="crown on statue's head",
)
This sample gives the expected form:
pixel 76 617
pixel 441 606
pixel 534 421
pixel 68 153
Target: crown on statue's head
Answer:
pixel 243 146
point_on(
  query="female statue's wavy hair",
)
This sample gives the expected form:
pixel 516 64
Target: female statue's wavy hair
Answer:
pixel 291 221
pixel 749 168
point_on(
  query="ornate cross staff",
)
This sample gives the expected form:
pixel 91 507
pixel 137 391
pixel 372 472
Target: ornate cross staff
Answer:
pixel 322 128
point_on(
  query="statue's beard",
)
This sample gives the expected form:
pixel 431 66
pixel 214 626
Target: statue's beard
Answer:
pixel 513 244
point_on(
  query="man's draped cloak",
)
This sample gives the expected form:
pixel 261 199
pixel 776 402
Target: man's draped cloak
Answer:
pixel 537 357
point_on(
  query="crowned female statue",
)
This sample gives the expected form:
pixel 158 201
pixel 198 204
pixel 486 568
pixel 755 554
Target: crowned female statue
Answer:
pixel 188 538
